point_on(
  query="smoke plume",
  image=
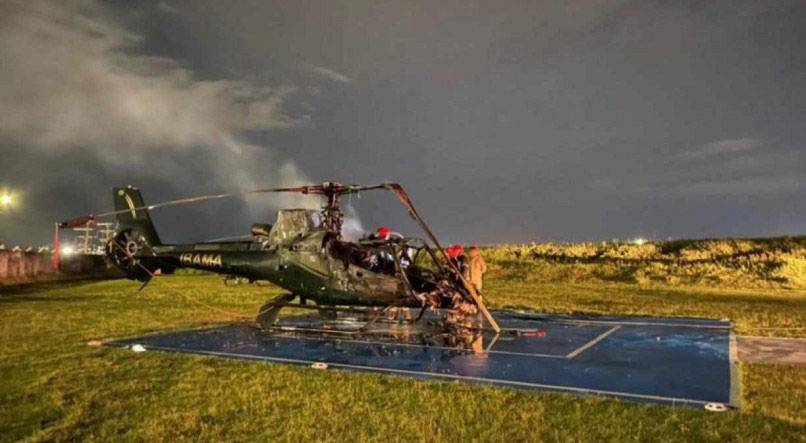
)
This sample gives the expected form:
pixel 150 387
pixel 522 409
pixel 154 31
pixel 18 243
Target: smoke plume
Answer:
pixel 72 81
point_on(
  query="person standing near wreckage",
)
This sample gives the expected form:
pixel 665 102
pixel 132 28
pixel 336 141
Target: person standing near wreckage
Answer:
pixel 476 267
pixel 456 254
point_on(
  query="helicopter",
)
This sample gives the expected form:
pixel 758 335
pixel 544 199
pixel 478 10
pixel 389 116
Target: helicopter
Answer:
pixel 305 253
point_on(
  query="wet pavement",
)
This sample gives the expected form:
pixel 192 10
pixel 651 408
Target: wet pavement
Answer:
pixel 674 361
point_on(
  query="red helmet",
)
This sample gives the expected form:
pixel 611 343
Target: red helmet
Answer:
pixel 455 251
pixel 383 232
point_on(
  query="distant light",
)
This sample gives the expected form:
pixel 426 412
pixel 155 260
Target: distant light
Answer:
pixel 6 200
pixel 639 241
pixel 67 250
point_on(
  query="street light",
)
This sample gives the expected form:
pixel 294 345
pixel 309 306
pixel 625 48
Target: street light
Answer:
pixel 6 200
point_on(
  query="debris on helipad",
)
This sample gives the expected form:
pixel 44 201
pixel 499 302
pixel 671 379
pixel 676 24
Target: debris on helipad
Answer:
pixel 138 348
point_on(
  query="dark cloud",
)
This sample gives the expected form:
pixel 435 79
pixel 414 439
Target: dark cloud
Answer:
pixel 81 113
pixel 510 121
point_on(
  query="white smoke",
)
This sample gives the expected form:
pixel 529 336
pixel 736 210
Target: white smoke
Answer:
pixel 352 229
pixel 71 81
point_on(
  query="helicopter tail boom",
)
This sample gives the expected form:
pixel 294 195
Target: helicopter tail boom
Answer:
pixel 132 214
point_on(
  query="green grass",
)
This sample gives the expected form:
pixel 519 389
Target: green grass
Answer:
pixel 53 387
pixel 769 263
pixel 764 312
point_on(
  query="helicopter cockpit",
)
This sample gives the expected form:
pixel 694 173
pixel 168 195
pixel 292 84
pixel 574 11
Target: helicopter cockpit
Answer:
pixel 291 226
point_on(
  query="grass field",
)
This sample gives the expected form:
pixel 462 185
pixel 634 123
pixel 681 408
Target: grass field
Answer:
pixel 53 387
pixel 765 263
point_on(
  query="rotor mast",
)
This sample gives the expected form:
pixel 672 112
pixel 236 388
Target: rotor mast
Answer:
pixel 334 217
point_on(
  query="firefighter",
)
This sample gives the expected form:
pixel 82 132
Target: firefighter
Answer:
pixel 476 267
pixel 384 233
pixel 456 254
pixel 382 260
pixel 381 233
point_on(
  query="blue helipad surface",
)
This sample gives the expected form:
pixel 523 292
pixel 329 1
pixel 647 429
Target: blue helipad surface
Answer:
pixel 678 361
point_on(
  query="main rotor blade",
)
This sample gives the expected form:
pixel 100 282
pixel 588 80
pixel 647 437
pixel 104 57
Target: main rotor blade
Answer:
pixel 319 189
pixel 145 283
pixel 471 289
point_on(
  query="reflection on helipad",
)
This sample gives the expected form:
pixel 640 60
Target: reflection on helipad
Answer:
pixel 678 361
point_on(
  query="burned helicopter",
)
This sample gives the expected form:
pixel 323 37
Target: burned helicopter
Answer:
pixel 304 253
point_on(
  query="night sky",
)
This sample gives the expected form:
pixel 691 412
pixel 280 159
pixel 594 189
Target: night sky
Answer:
pixel 507 121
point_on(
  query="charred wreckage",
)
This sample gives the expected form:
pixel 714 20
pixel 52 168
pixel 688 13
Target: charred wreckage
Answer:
pixel 305 253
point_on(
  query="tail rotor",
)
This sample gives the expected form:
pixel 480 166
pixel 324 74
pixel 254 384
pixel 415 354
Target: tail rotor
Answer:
pixel 135 237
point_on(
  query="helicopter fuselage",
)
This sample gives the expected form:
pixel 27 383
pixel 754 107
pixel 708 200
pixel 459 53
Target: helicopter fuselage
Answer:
pixel 310 274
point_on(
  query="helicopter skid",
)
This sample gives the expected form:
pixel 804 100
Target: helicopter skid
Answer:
pixel 353 320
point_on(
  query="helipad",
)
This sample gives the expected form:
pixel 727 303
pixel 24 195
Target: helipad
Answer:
pixel 676 361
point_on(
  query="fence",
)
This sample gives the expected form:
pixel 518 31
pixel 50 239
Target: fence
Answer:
pixel 17 266
pixel 28 266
